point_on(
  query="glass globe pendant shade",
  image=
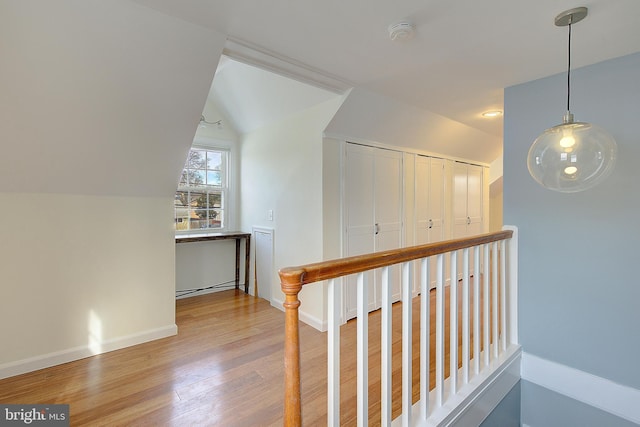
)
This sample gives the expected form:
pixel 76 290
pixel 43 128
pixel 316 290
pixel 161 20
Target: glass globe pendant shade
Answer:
pixel 572 157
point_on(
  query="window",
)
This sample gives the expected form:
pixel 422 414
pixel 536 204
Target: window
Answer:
pixel 200 199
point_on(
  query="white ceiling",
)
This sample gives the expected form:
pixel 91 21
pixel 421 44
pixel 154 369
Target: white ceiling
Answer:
pixel 464 54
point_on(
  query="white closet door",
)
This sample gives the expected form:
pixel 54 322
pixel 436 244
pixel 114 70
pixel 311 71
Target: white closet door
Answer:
pixel 360 220
pixel 436 210
pixel 429 205
pixel 373 202
pixel 388 213
pixel 467 204
pixel 474 200
pixel 422 205
pixel 429 199
pixel 467 200
pixel 436 200
pixel 459 200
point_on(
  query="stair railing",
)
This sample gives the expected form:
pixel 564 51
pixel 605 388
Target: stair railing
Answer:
pixel 495 254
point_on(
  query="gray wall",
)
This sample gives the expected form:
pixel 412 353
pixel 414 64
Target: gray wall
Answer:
pixel 578 288
pixel 545 408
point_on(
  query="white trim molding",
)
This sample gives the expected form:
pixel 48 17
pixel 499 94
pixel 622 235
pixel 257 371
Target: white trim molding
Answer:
pixel 69 355
pixel 261 57
pixel 304 317
pixel 601 393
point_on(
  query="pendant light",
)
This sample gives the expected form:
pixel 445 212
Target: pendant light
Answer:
pixel 572 156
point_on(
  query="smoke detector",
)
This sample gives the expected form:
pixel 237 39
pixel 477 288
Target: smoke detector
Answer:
pixel 402 31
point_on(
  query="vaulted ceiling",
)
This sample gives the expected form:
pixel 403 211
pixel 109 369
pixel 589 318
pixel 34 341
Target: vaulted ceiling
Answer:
pixel 462 56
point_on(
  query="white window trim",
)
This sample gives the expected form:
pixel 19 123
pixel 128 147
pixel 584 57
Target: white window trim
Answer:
pixel 228 192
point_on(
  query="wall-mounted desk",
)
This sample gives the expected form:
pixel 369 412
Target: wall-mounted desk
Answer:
pixel 235 235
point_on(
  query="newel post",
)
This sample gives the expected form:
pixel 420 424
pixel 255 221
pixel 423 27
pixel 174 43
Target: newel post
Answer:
pixel 291 285
pixel 512 284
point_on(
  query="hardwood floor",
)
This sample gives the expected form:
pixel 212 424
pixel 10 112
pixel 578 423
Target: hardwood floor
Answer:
pixel 224 368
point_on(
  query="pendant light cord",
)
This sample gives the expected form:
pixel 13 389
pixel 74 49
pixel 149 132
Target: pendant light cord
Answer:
pixel 569 70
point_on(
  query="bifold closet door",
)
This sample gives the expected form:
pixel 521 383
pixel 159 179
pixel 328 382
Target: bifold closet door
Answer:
pixel 429 197
pixel 388 214
pixel 474 199
pixel 373 213
pixel 467 200
pixel 360 216
pixel 467 204
pixel 429 203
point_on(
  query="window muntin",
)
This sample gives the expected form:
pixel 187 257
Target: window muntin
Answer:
pixel 200 199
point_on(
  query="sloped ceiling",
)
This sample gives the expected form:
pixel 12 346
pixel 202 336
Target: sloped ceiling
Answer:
pixel 252 97
pixel 93 88
pixel 375 117
pixel 463 54
pixel 99 98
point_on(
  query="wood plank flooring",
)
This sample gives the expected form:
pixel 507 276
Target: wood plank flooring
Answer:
pixel 224 368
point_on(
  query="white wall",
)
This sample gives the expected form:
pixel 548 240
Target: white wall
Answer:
pixel 332 214
pixel 206 264
pixel 281 170
pixel 99 106
pixel 82 275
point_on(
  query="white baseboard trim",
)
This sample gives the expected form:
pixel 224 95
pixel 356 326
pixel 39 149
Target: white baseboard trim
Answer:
pixel 601 393
pixel 69 355
pixel 312 321
pixel 277 304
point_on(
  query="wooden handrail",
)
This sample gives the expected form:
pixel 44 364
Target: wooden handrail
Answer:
pixel 292 279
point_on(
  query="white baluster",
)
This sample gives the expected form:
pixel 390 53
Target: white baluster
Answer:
pixel 453 325
pixel 485 311
pixel 386 343
pixel 424 337
pixel 407 324
pixel 439 330
pixel 503 297
pixel 333 355
pixel 465 315
pixel 362 351
pixel 512 260
pixel 494 298
pixel 476 310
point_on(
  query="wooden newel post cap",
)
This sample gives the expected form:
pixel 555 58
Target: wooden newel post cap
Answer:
pixel 291 280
